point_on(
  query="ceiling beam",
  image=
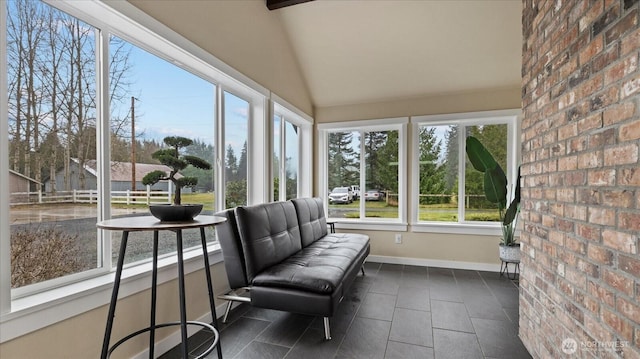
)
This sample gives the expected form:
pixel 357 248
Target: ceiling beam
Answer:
pixel 278 4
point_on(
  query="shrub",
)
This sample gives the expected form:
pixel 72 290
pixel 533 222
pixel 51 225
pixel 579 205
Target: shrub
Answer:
pixel 41 254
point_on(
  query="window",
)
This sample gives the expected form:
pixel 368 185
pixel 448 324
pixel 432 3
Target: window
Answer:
pixel 364 169
pixel 448 192
pixel 63 138
pixel 52 122
pixel 291 145
pixel 150 99
pixel 236 127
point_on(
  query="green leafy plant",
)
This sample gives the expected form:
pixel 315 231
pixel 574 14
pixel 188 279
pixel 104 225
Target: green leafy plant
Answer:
pixel 495 187
pixel 172 158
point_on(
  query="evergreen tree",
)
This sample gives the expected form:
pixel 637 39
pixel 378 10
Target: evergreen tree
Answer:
pixel 373 142
pixel 451 160
pixel 343 160
pixel 231 165
pixel 386 163
pixel 432 171
pixel 242 163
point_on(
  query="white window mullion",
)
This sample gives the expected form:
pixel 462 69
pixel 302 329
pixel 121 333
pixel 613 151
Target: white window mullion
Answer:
pixel 5 243
pixel 103 150
pixel 220 151
pixel 462 198
pixel 363 174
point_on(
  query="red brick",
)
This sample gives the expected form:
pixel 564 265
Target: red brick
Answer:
pixel 630 87
pixel 621 155
pixel 589 123
pixel 591 159
pixel 629 221
pixel 630 42
pixel 629 264
pixel 618 282
pixel 602 216
pixel 599 254
pixel 601 177
pixel 602 138
pixel 630 131
pixel 591 233
pixel 618 113
pixel 617 198
pixel 628 309
pixel 621 69
pixel 592 49
pixel 603 294
pixel 629 176
pixel 568 163
pixel 620 325
pixel 623 242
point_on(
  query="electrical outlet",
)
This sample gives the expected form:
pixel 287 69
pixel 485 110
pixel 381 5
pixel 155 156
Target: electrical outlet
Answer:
pixel 398 238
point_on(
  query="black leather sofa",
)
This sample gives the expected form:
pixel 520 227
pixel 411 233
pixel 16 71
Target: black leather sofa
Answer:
pixel 280 256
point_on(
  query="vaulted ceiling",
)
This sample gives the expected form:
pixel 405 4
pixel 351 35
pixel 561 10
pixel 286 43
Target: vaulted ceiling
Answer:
pixel 361 51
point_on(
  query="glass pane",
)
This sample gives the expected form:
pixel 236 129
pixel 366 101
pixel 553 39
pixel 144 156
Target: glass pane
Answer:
pixel 343 173
pixel 494 138
pixel 52 143
pixel 151 99
pixel 438 160
pixel 381 166
pixel 291 160
pixel 277 148
pixel 236 127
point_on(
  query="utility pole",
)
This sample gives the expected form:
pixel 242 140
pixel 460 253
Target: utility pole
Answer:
pixel 133 143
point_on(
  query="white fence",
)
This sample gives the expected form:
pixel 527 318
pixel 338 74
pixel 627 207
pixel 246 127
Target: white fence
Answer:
pixel 91 196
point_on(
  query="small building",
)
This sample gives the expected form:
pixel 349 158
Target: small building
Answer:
pixel 22 188
pixel 120 176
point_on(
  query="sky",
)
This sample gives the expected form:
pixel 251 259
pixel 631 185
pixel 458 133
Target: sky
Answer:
pixel 171 101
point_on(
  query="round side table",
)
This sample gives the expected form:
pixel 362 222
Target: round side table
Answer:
pixel 152 224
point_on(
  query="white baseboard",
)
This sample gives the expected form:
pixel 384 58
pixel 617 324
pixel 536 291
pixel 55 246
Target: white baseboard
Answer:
pixel 489 267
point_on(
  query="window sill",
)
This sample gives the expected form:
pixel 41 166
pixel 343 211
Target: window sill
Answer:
pixel 37 311
pixel 371 225
pixel 483 229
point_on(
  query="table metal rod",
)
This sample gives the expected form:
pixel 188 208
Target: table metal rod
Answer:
pixel 183 307
pixel 154 291
pixel 114 296
pixel 207 271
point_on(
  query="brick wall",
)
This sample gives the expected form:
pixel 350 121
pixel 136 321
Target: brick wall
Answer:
pixel 580 286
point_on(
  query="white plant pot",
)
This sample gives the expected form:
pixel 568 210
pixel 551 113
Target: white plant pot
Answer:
pixel 510 253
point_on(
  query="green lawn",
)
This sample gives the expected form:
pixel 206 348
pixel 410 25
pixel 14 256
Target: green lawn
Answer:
pixel 434 212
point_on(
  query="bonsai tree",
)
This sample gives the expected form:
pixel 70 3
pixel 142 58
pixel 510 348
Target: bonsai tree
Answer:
pixel 172 158
pixel 495 187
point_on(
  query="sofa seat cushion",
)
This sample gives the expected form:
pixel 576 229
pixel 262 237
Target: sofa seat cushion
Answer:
pixel 319 267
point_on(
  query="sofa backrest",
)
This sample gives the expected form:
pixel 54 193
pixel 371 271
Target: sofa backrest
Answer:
pixel 311 219
pixel 269 234
pixel 229 239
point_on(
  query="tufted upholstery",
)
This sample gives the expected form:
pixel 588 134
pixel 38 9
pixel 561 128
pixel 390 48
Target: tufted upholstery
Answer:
pixel 269 234
pixel 227 234
pixel 318 268
pixel 283 253
pixel 313 224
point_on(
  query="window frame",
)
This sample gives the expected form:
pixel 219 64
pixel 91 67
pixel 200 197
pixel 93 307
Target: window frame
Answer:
pixel 510 117
pixel 288 113
pixel 399 124
pixel 24 311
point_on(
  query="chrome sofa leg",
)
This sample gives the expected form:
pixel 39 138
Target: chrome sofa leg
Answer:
pixel 327 329
pixel 226 312
pixel 362 270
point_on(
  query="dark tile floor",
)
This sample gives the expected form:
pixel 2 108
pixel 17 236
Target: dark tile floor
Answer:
pixel 394 311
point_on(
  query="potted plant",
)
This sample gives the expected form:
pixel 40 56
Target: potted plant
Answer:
pixel 172 158
pixel 495 190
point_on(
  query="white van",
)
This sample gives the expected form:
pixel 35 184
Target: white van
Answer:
pixel 355 189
